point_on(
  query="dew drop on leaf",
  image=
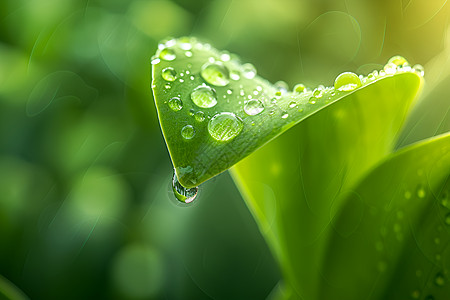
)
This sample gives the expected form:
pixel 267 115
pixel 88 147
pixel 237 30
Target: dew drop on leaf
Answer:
pixel 419 70
pixel 318 93
pixel 181 193
pixel 347 82
pixel 199 116
pixel 175 104
pixel 167 54
pixel 204 96
pixel 253 107
pixel 299 88
pixel 169 74
pixel 225 126
pixel 235 75
pixel 390 68
pixel 249 71
pixel 284 115
pixel 439 279
pixel 216 74
pixel 292 104
pixel 398 61
pixel 188 132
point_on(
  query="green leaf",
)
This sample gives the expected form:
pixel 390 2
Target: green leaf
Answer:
pixel 391 238
pixel 209 121
pixel 293 184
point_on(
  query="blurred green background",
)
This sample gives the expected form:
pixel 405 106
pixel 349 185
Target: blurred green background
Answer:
pixel 85 204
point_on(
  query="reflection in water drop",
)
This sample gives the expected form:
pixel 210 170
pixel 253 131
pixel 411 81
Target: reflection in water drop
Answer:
pixel 347 82
pixel 167 54
pixel 253 107
pixel 225 126
pixel 183 194
pixel 204 96
pixel 216 74
pixel 188 132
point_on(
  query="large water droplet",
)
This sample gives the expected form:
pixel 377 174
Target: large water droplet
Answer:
pixel 183 194
pixel 347 81
pixel 215 74
pixel 225 126
pixel 249 71
pixel 188 132
pixel 167 54
pixel 204 96
pixel 253 107
pixel 175 104
pixel 169 74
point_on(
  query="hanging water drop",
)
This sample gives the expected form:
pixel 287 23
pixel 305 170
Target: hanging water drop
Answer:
pixel 225 126
pixel 216 74
pixel 249 71
pixel 169 74
pixel 253 107
pixel 175 104
pixel 167 54
pixel 204 96
pixel 188 132
pixel 184 195
pixel 347 82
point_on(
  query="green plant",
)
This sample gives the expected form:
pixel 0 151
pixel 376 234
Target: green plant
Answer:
pixel 345 217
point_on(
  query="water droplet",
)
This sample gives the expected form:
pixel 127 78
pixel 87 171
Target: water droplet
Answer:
pixel 185 195
pixel 281 86
pixel 175 104
pixel 347 82
pixel 191 112
pixel 439 279
pixel 415 294
pixel 299 88
pixel 447 219
pixel 188 132
pixel 373 75
pixel 225 126
pixel 407 195
pixel 155 60
pixel 229 92
pixel 167 54
pixel 421 192
pixel 169 74
pixel 204 96
pixel 312 100
pixel 284 115
pixel 398 61
pixel 235 75
pixel 390 68
pixel 199 116
pixel 419 69
pixel 185 43
pixel 188 53
pixel 216 74
pixel 249 71
pixel 292 104
pixel 225 56
pixel 318 93
pixel 253 107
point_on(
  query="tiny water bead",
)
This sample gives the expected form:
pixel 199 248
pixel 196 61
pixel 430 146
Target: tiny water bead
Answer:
pixel 284 115
pixel 216 74
pixel 169 74
pixel 347 82
pixel 167 54
pixel 188 132
pixel 225 126
pixel 419 69
pixel 398 61
pixel 390 68
pixel 175 104
pixel 204 96
pixel 292 104
pixel 183 194
pixel 318 93
pixel 439 279
pixel 249 71
pixel 253 107
pixel 199 116
pixel 235 75
pixel 299 88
